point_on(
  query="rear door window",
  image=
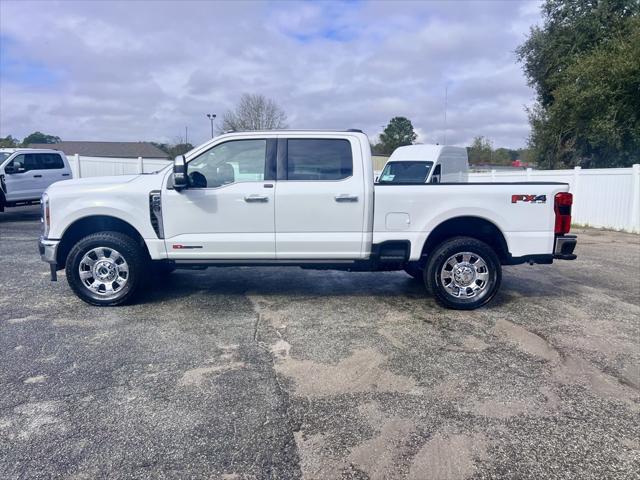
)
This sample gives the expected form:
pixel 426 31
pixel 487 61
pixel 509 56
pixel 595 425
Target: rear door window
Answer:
pixel 319 159
pixel 49 161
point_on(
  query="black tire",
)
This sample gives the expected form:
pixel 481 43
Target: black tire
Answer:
pixel 415 270
pixel 127 248
pixel 444 292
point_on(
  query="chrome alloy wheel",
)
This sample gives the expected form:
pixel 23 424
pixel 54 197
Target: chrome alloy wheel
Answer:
pixel 465 275
pixel 104 271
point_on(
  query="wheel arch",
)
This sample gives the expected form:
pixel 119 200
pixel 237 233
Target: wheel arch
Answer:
pixel 92 224
pixel 468 226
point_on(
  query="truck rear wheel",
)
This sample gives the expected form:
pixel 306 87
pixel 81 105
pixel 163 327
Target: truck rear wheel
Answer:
pixel 463 273
pixel 105 268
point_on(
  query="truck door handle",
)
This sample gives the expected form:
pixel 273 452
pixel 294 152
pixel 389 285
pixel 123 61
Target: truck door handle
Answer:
pixel 37 176
pixel 346 198
pixel 65 174
pixel 256 198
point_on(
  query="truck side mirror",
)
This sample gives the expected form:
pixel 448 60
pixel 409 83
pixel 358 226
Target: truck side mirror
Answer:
pixel 180 178
pixel 12 168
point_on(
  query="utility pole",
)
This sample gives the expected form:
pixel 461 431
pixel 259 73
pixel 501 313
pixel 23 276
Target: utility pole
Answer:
pixel 186 135
pixel 212 117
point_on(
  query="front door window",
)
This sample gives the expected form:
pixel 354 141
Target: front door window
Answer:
pixel 230 162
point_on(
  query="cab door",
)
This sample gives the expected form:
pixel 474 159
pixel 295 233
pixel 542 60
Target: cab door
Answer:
pixel 228 210
pixel 320 199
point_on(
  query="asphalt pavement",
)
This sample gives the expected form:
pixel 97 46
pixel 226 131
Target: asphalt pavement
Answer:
pixel 244 373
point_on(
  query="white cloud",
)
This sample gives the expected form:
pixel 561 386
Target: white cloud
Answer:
pixel 144 70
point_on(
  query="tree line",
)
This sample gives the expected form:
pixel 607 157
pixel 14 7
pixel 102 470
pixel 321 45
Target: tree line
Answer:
pixel 35 137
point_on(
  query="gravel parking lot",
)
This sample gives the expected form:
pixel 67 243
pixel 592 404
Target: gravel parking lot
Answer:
pixel 287 373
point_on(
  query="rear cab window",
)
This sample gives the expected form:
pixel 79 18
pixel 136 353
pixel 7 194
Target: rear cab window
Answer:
pixel 318 159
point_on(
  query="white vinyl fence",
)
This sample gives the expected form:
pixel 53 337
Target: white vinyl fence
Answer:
pixel 83 167
pixel 603 197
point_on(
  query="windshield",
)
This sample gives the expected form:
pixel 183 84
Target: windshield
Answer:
pixel 406 172
pixel 4 156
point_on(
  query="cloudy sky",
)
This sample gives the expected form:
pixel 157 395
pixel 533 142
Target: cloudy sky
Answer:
pixel 129 71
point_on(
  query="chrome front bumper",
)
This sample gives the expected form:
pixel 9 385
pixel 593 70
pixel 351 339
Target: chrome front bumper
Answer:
pixel 48 250
pixel 564 247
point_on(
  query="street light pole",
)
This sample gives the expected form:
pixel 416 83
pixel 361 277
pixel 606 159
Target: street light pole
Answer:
pixel 211 117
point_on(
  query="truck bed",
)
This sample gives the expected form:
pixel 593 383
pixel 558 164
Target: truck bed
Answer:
pixel 522 211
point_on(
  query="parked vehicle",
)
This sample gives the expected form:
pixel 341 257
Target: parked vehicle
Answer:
pixel 416 164
pixel 25 173
pixel 297 198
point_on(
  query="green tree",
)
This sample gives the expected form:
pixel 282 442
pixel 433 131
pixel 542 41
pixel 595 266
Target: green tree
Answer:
pixel 480 151
pixel 174 149
pixel 39 137
pixel 583 63
pixel 504 156
pixel 399 132
pixel 8 142
pixel 179 149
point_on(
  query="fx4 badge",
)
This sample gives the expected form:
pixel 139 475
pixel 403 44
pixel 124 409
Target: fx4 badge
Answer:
pixel 529 198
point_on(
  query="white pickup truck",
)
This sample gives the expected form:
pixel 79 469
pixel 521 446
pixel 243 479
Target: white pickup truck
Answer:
pixel 297 198
pixel 27 172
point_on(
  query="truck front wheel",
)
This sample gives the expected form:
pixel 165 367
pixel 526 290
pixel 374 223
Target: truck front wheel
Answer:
pixel 463 273
pixel 105 268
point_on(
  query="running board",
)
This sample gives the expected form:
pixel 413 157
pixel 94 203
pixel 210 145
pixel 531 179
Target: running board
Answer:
pixel 261 263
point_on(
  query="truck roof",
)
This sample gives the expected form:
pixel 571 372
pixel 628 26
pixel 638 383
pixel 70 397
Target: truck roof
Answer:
pixel 297 130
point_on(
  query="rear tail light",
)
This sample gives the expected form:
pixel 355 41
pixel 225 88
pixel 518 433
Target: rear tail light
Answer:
pixel 562 207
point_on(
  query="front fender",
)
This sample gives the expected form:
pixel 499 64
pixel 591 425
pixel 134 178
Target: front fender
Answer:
pixel 125 198
pixel 134 212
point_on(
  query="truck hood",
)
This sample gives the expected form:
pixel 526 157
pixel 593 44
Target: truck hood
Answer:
pixel 105 184
pixel 81 182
